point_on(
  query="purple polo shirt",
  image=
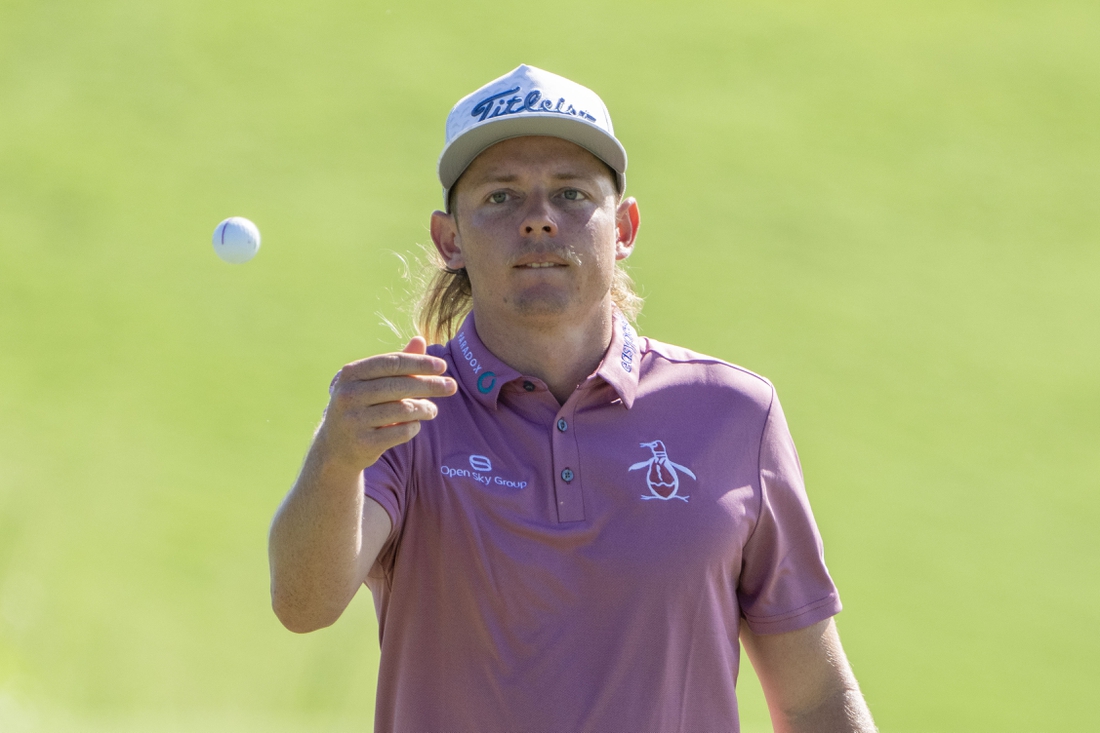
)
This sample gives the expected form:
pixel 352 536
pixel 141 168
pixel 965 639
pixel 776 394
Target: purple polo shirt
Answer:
pixel 586 566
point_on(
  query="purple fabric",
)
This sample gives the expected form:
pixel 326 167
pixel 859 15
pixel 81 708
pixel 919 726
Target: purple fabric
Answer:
pixel 512 599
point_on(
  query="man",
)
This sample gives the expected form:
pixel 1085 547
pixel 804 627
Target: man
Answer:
pixel 565 526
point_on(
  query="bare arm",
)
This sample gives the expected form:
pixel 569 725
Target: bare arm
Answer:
pixel 326 534
pixel 807 681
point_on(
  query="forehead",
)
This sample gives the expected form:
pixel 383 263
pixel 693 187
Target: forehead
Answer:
pixel 534 155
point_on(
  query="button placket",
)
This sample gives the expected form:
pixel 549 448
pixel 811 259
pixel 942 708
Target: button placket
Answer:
pixel 567 469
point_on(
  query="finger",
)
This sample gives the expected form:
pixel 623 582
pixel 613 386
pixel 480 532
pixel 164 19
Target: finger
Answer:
pixel 391 365
pixel 402 411
pixel 391 435
pixel 416 345
pixel 390 389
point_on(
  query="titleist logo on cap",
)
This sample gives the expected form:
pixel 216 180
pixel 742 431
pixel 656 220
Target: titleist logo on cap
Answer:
pixel 528 101
pixel 496 105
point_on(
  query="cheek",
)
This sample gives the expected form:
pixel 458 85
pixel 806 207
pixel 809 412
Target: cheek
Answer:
pixel 601 234
pixel 474 261
pixel 483 261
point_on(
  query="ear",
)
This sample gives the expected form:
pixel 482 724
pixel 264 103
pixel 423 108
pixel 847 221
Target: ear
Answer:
pixel 627 220
pixel 445 237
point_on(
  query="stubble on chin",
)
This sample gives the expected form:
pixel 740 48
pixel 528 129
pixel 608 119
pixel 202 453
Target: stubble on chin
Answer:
pixel 546 299
pixel 536 304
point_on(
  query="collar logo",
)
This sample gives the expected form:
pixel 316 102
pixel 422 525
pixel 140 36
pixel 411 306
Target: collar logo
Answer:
pixel 662 475
pixel 468 353
pixel 496 105
pixel 626 358
pixel 486 382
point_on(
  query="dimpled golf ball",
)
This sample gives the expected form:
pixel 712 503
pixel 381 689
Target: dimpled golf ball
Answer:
pixel 236 240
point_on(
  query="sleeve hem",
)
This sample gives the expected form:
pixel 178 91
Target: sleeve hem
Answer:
pixel 386 501
pixel 800 618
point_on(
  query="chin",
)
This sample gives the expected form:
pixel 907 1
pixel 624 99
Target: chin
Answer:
pixel 544 303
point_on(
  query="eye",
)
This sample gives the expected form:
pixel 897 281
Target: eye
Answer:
pixel 572 194
pixel 498 197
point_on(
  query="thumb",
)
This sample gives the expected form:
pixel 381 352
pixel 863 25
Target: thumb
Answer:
pixel 416 345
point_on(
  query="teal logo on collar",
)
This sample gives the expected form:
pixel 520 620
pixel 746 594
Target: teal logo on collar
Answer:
pixel 484 388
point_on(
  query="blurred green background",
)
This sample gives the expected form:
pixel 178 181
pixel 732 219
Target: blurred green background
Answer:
pixel 890 209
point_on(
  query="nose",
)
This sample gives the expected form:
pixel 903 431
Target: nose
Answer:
pixel 538 219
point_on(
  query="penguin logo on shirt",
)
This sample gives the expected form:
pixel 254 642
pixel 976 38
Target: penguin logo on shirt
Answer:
pixel 662 475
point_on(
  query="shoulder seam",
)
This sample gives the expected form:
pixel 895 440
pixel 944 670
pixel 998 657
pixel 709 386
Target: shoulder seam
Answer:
pixel 703 359
pixel 760 466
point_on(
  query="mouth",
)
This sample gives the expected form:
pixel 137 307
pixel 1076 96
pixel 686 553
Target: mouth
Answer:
pixel 539 265
pixel 543 260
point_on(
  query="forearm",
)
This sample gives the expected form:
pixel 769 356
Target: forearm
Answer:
pixel 807 681
pixel 844 711
pixel 316 544
pixel 327 534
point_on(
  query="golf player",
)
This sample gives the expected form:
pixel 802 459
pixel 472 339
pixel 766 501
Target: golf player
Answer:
pixel 566 526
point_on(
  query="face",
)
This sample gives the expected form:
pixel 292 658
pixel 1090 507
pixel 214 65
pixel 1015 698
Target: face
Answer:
pixel 538 226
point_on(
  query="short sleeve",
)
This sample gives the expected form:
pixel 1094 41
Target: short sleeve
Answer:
pixel 784 584
pixel 386 482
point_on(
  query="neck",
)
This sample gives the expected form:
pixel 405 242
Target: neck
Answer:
pixel 560 351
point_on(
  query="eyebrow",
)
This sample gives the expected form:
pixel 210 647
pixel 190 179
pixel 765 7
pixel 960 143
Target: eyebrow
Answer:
pixel 498 178
pixel 572 176
pixel 512 178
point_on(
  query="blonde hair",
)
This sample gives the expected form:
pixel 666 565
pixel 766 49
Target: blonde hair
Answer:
pixel 445 298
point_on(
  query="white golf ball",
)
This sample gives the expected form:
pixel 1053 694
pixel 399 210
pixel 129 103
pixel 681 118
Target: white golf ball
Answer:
pixel 236 240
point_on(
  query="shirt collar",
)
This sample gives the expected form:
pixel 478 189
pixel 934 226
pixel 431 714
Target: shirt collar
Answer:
pixel 622 361
pixel 483 374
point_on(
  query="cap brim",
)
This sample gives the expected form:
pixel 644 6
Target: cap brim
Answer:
pixel 457 156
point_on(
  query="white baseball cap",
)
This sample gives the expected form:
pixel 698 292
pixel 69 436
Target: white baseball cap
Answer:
pixel 528 101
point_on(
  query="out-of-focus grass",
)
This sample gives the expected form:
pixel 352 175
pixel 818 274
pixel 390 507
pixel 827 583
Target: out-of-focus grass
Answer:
pixel 891 211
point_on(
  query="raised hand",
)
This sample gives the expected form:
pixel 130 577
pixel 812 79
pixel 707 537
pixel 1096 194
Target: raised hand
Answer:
pixel 378 402
pixel 326 534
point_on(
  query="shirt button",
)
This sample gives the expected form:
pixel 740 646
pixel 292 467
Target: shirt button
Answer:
pixel 567 475
pixel 562 424
pixel 529 386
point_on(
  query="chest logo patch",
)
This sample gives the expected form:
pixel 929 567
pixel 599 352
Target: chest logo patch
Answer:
pixel 481 472
pixel 662 475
